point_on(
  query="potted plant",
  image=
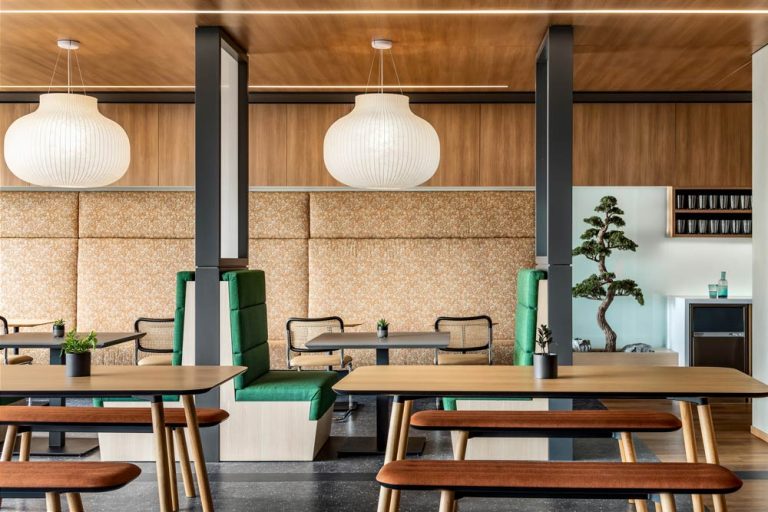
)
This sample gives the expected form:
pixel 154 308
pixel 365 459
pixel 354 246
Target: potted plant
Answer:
pixel 77 351
pixel 58 328
pixel 382 328
pixel 544 363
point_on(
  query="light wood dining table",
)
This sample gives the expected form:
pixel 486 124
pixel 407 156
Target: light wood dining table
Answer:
pixel 686 385
pixel 148 382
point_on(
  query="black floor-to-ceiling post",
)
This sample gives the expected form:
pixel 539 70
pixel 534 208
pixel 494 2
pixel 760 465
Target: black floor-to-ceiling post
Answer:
pixel 221 191
pixel 554 188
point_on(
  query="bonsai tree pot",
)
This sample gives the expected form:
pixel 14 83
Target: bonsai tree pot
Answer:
pixel 545 366
pixel 78 365
pixel 382 332
pixel 58 331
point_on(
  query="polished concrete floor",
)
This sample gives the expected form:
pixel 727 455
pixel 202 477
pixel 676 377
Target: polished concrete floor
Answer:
pixel 331 484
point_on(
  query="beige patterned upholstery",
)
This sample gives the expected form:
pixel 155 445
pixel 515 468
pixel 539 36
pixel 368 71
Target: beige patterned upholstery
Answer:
pixel 278 215
pixel 137 215
pixel 38 215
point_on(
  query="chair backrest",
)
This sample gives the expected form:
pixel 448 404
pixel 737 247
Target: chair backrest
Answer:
pixel 468 332
pixel 159 334
pixel 298 331
pixel 3 325
pixel 248 321
pixel 526 314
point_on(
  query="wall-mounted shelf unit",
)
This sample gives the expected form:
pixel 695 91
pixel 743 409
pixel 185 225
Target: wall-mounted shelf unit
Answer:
pixel 709 212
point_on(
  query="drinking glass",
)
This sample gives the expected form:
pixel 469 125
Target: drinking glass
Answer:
pixel 713 291
pixel 735 226
pixel 692 201
pixel 734 202
pixel 679 201
pixel 702 225
pixel 744 201
pixel 723 201
pixel 714 226
pixel 713 201
pixel 746 226
pixel 680 227
pixel 692 226
pixel 725 227
pixel 703 201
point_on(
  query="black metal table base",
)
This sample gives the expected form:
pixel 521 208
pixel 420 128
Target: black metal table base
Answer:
pixel 74 447
pixel 356 445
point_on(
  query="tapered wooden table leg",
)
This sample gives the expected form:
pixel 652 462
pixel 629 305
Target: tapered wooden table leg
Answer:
pixel 668 503
pixel 161 454
pixel 446 501
pixel 172 469
pixel 389 455
pixel 52 502
pixel 10 442
pixel 186 469
pixel 197 453
pixel 402 446
pixel 691 452
pixel 24 447
pixel 710 448
pixel 74 503
pixel 630 456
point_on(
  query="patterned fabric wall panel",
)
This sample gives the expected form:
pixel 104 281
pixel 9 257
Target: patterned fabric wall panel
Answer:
pixel 284 263
pixel 278 215
pixel 422 214
pixel 38 215
pixel 137 215
pixel 120 280
pixel 411 282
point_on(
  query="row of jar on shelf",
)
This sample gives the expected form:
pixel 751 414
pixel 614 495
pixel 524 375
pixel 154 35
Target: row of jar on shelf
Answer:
pixel 713 227
pixel 713 201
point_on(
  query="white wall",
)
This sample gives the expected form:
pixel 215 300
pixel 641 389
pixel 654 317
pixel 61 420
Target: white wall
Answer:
pixel 662 266
pixel 760 230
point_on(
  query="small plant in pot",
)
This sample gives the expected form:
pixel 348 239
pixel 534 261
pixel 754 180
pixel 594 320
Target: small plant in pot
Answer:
pixel 58 328
pixel 382 328
pixel 544 363
pixel 77 351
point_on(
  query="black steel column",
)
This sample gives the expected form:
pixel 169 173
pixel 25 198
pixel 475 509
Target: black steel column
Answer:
pixel 209 43
pixel 554 186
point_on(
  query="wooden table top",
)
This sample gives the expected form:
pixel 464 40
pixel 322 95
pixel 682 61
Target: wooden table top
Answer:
pixel 369 340
pixel 46 339
pixel 51 381
pixel 574 381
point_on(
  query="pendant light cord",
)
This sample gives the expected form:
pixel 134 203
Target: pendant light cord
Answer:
pixel 370 72
pixel 80 72
pixel 55 66
pixel 399 85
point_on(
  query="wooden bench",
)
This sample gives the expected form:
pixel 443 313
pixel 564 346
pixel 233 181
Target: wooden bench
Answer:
pixel 19 419
pixel 588 480
pixel 599 423
pixel 70 478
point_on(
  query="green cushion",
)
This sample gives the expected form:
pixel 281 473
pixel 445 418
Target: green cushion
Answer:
pixel 182 278
pixel 525 314
pixel 449 403
pixel 293 386
pixel 99 402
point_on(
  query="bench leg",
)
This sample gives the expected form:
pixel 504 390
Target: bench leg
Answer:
pixel 668 503
pixel 691 452
pixel 171 468
pixel 10 442
pixel 389 455
pixel 402 447
pixel 52 502
pixel 710 448
pixel 161 455
pixel 197 453
pixel 186 469
pixel 447 499
pixel 74 503
pixel 631 457
pixel 26 442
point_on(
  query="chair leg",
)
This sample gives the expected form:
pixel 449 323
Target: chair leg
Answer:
pixel 24 448
pixel 10 442
pixel 668 503
pixel 52 502
pixel 74 503
pixel 396 415
pixel 186 468
pixel 446 501
pixel 172 468
pixel 631 456
pixel 691 451
pixel 402 448
pixel 461 445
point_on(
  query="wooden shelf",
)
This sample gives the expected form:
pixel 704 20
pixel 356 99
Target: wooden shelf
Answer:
pixel 689 214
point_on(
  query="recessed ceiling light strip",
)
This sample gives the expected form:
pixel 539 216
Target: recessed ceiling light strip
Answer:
pixel 392 12
pixel 261 87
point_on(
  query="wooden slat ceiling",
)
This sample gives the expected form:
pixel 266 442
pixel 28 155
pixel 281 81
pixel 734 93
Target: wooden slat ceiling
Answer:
pixel 614 52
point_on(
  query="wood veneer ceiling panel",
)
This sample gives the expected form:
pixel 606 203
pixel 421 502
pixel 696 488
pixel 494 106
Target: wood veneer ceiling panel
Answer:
pixel 633 52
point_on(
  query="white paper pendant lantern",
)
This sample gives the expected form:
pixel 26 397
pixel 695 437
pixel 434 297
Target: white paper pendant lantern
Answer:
pixel 381 145
pixel 66 142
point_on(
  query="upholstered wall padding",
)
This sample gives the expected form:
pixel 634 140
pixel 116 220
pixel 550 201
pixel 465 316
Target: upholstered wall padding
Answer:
pixel 422 215
pixel 278 215
pixel 137 215
pixel 120 280
pixel 285 266
pixel 38 215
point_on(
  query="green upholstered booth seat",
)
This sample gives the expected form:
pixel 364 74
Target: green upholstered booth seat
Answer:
pixel 293 386
pixel 525 314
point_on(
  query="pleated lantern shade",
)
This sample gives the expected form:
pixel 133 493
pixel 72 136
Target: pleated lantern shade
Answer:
pixel 381 145
pixel 67 143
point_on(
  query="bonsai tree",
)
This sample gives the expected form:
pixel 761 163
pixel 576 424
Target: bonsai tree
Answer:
pixel 598 243
pixel 74 344
pixel 544 338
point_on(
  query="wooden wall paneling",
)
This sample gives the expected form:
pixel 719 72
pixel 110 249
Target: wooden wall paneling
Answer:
pixel 176 145
pixel 507 145
pixel 306 127
pixel 713 145
pixel 629 144
pixel 267 144
pixel 458 127
pixel 140 122
pixel 9 112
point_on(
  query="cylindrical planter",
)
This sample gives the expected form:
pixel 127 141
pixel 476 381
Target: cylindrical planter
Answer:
pixel 545 366
pixel 78 365
pixel 58 331
pixel 382 332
